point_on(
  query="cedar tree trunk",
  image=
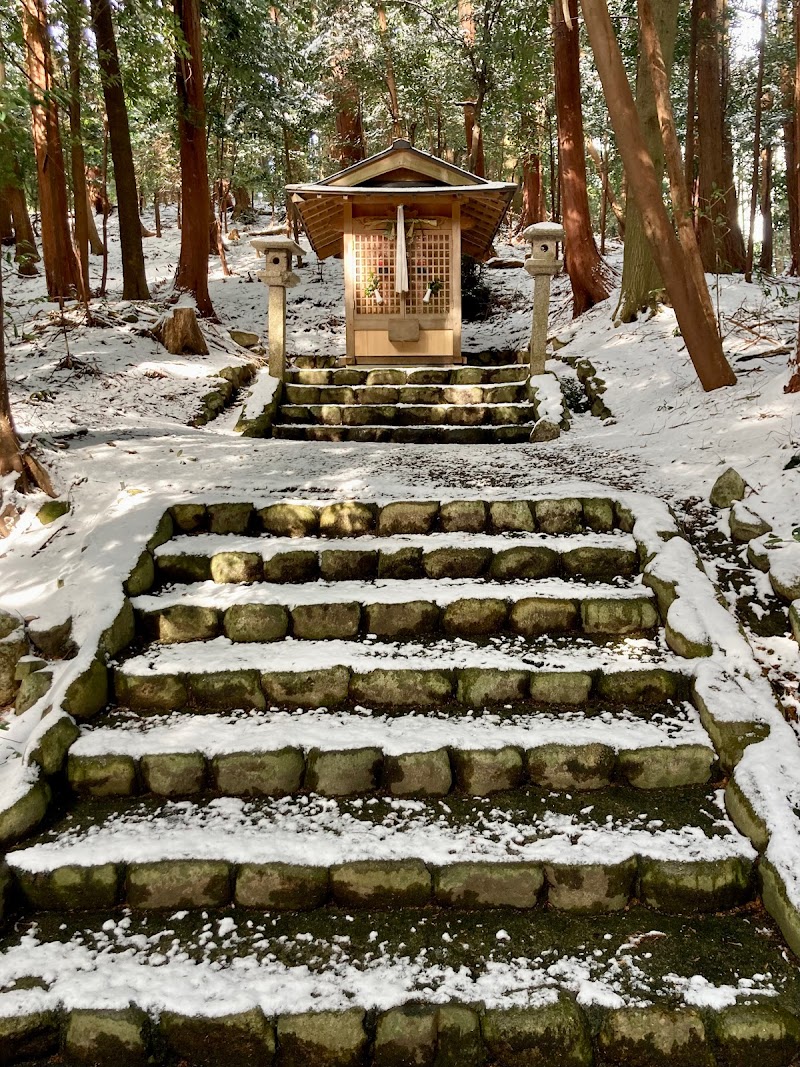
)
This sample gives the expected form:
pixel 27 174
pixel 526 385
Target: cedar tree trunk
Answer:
pixel 582 260
pixel 134 280
pixel 79 201
pixel 765 259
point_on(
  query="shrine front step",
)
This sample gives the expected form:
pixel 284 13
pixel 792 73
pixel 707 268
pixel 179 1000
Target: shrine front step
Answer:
pixel 510 393
pixel 408 415
pixel 420 435
pixel 399 376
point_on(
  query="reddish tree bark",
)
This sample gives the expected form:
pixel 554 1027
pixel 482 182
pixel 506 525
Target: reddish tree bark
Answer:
pixel 581 258
pixel 765 259
pixel 78 163
pixel 532 191
pixel 61 267
pixel 755 182
pixel 192 273
pixel 6 225
pixel 134 279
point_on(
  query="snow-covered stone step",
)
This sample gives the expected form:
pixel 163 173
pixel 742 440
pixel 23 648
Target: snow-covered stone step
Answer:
pixel 396 376
pixel 390 609
pixel 221 675
pixel 499 556
pixel 407 394
pixel 483 414
pixel 676 851
pixel 349 987
pixel 412 435
pixel 361 751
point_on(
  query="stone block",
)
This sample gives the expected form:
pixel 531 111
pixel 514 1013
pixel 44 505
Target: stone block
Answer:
pixel 456 562
pixel 327 687
pixel 478 686
pixel 598 514
pixel 686 887
pixel 88 693
pixel 413 517
pixel 559 516
pixel 179 884
pixel 540 1036
pixel 227 690
pixel 421 774
pixel 173 774
pixel 177 567
pixel 162 533
pixel 401 620
pixel 13 647
pixel 563 767
pixel 323 1039
pixel 301 565
pixel 150 692
pixel 348 519
pixel 189 518
pixel 337 565
pixel 244 1039
pixel 389 686
pixel 524 561
pixel 745 524
pixel 611 615
pixel 404 564
pixel 281 886
pixel 289 520
pixel 96 1036
pixel 590 888
pixel 240 567
pixel 534 616
pixel 230 518
pixel 560 687
pixel 654 685
pixel 110 775
pixel 406 1037
pixel 17 820
pixel 120 633
pixel 474 617
pixel 667 768
pixel 319 622
pixel 480 772
pixel 545 430
pixel 343 773
pixel 600 563
pixel 508 516
pixel 763 1033
pixel 729 487
pixel 28 1038
pixel 460 1041
pixel 655 1037
pixel 271 774
pixel 54 743
pixel 488 885
pixel 183 622
pixel 463 516
pixel 53 642
pixel 256 622
pixel 32 688
pixel 70 888
pixel 381 883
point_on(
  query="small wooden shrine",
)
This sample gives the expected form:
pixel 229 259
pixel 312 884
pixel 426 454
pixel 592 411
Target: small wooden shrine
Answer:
pixel 401 220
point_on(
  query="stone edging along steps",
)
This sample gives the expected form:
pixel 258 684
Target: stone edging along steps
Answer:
pixel 454 827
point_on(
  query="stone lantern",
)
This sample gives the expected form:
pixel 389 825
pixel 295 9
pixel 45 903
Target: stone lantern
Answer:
pixel 541 264
pixel 279 276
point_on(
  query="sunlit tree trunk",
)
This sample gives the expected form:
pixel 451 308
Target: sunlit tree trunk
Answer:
pixel 532 191
pixel 754 184
pixel 134 280
pixel 192 273
pixel 765 259
pixel 79 201
pixel 61 267
pixel 582 260
pixel 391 80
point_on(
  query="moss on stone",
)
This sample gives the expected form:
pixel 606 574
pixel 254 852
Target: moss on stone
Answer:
pixel 459 1038
pixel 178 884
pixel 655 1037
pixel 341 565
pixel 524 561
pixel 663 767
pixel 17 820
pixel 230 518
pixel 144 692
pixel 541 1036
pixel 103 1036
pixel 52 510
pixel 189 518
pixel 243 1039
pixel 102 775
pixel 411 619
pixel 764 1034
pixel 474 617
pixel 299 565
pixel 177 567
pixel 612 615
pixel 32 688
pixel 402 687
pixel 511 516
pixel 534 616
pixel 463 516
pixel 690 886
pixel 326 687
pixel 29 1037
pixel 406 1037
pixel 54 743
pixel 381 883
pixel 560 687
pixel 598 514
pixel 403 564
pixel 478 686
pixel 653 685
pixel 590 888
pixel 282 886
pixel 271 774
pixel 239 567
pixel 413 517
pixel 256 622
pixel 324 1039
pixel 559 516
pixel 348 519
pixel 289 520
pixel 456 562
pixel 488 885
pixel 70 888
pixel 343 773
pixel 179 623
pixel 173 774
pixel 88 693
pixel 227 690
pixel 423 774
pixel 562 766
pixel 480 772
pixel 120 633
pixel 321 622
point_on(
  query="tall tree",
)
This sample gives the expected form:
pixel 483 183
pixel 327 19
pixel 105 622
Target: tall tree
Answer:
pixel 641 280
pixel 61 267
pixel 765 259
pixel 78 163
pixel 192 273
pixel 698 328
pixel 719 233
pixel 754 184
pixel 134 279
pixel 582 260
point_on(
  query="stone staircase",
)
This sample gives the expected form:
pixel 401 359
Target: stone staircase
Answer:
pixel 412 785
pixel 425 405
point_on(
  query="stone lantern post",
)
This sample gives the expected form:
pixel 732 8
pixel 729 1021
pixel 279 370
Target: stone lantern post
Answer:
pixel 279 276
pixel 541 264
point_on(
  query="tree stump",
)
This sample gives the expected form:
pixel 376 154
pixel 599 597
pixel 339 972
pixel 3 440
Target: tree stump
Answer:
pixel 179 332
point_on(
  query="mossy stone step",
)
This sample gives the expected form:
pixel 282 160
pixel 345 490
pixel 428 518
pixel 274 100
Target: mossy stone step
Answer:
pixel 397 376
pixel 406 394
pixel 408 415
pixel 521 848
pixel 411 435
